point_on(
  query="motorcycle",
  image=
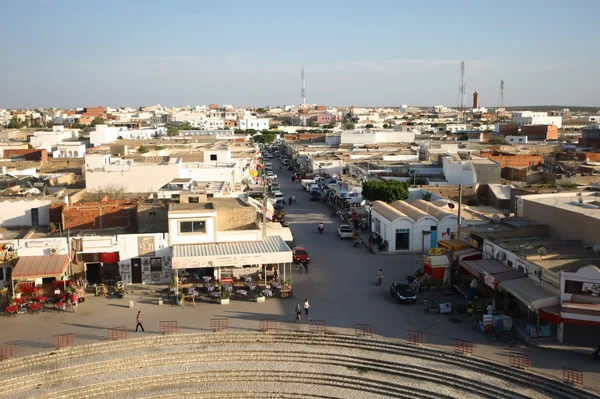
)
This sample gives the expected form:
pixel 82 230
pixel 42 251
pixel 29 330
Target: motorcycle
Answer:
pixel 379 280
pixel 357 242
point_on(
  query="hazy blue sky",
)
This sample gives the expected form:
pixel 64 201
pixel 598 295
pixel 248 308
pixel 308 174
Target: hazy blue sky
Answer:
pixel 67 53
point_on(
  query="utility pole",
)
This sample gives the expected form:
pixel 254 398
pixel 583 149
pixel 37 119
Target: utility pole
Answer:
pixel 462 90
pixel 459 209
pixel 264 226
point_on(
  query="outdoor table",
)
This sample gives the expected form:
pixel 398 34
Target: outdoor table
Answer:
pixel 40 299
pixel 228 287
pixel 251 287
pixel 60 306
pixel 12 309
pixel 210 288
pixel 214 294
pixel 276 285
pixel 19 301
pixel 242 292
pixel 206 278
pixel 267 293
pixel 35 307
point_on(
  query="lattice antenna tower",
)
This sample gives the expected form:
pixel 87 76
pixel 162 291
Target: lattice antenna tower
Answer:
pixel 501 94
pixel 462 92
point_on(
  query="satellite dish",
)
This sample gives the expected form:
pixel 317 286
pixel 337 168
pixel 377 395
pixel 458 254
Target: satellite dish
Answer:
pixel 542 251
pixel 580 200
pixel 496 219
pixel 506 212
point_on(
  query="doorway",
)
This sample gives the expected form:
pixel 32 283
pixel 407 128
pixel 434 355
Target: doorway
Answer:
pixel 93 273
pixel 402 239
pixel 136 271
pixel 35 217
pixel 433 237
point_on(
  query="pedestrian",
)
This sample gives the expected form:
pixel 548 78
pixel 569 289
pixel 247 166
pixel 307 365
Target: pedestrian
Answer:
pixel 490 309
pixel 306 307
pixel 298 313
pixel 290 201
pixel 294 198
pixel 138 320
pixel 74 301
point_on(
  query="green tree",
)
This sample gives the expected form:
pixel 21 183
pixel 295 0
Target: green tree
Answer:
pixel 172 131
pixel 264 137
pixel 97 121
pixel 497 140
pixel 143 149
pixel 370 126
pixel 386 191
pixel 14 123
pixel 312 124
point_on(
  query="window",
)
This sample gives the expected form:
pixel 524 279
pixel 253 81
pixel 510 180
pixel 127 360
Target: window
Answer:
pixel 377 226
pixel 193 200
pixel 195 226
pixel 155 264
pixel 213 157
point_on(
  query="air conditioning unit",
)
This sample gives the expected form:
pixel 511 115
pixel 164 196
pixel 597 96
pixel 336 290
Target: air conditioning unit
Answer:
pixel 145 262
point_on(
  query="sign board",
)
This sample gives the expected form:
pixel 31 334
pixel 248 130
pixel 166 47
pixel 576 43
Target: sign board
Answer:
pixel 45 243
pixel 489 280
pixel 236 260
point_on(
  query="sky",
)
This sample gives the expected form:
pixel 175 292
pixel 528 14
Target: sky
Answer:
pixel 73 53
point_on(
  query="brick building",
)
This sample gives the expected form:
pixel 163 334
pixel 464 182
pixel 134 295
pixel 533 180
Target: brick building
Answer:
pixel 506 159
pixel 93 112
pixel 213 106
pixel 540 132
pixel 590 137
pixel 27 154
pixel 96 215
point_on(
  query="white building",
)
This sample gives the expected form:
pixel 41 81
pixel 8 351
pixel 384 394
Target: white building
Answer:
pixel 253 123
pixel 48 140
pixel 73 149
pixel 459 172
pixel 516 139
pixel 369 137
pixel 104 134
pixel 25 212
pixel 536 118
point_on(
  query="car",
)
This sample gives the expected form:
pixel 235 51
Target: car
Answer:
pixel 279 204
pixel 278 195
pixel 345 231
pixel 275 187
pixel 299 255
pixel 403 292
pixel 285 162
pixel 315 196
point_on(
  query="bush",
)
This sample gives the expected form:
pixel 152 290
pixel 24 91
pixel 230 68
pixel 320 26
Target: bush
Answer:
pixel 224 294
pixel 143 149
pixel 386 191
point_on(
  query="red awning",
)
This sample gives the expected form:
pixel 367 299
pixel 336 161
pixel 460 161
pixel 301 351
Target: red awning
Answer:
pixel 108 257
pixel 551 314
pixel 32 267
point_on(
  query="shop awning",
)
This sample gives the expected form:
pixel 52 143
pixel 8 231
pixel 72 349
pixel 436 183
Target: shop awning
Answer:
pixel 466 253
pixel 33 267
pixel 551 314
pixel 531 293
pixel 271 249
pixel 580 313
pixel 491 271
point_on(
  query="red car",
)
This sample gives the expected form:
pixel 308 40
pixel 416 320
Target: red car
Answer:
pixel 300 255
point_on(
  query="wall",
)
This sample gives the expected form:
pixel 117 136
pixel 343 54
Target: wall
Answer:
pixel 236 218
pixel 140 178
pixel 420 242
pixel 94 215
pixel 128 249
pixel 207 173
pixel 28 155
pixel 459 172
pixel 540 132
pixel 17 213
pixel 209 236
pixel 514 160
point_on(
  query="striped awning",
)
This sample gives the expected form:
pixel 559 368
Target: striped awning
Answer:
pixel 33 267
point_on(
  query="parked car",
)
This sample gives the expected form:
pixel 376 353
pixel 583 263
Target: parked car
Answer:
pixel 315 196
pixel 286 162
pixel 345 231
pixel 403 292
pixel 278 195
pixel 299 255
pixel 279 204
pixel 275 187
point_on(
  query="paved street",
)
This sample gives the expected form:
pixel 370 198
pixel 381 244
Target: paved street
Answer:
pixel 339 286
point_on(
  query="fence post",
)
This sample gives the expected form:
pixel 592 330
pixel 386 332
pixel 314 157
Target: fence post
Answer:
pixel 8 351
pixel 317 326
pixel 267 325
pixel 518 360
pixel 463 347
pixel 415 337
pixel 117 333
pixel 62 340
pixel 168 327
pixel 572 376
pixel 363 330
pixel 219 325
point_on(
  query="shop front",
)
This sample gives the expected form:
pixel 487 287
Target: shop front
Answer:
pixel 243 266
pixel 38 273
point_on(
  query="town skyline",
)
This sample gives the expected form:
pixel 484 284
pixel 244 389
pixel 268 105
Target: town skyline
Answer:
pixel 385 53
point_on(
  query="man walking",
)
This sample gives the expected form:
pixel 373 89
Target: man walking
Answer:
pixel 74 301
pixel 139 324
pixel 306 307
pixel 294 199
pixel 298 313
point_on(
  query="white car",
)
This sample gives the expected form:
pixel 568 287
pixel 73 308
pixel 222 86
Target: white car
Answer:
pixel 286 162
pixel 345 231
pixel 276 196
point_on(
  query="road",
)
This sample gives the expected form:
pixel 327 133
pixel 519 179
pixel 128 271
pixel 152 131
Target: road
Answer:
pixel 340 288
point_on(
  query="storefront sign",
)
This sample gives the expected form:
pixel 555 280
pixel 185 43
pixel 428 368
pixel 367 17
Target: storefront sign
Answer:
pixel 489 279
pixel 236 260
pixel 45 243
pixel 146 246
pixel 474 243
